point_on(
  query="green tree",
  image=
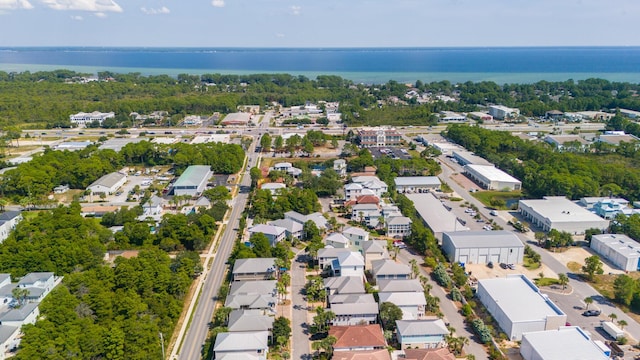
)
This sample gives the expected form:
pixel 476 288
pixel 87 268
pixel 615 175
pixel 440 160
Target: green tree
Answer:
pixel 624 289
pixel 622 324
pixel 389 313
pixel 592 266
pixel 612 316
pixel 218 193
pixel 281 331
pixel 588 301
pixel 321 320
pixel 265 142
pixel 563 279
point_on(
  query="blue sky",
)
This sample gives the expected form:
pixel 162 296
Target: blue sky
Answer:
pixel 319 23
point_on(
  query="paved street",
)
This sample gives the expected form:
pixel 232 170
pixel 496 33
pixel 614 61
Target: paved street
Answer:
pixel 300 337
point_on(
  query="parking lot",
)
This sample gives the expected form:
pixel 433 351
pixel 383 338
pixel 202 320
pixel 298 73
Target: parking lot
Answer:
pixel 394 153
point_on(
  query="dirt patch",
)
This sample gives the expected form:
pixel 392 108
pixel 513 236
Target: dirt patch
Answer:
pixel 576 255
pixel 464 181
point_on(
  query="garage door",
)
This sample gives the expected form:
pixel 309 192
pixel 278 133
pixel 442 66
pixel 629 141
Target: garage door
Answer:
pixel 463 259
pixel 495 258
pixel 482 259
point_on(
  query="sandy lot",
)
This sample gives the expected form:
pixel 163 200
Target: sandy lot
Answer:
pixel 481 271
pixel 578 254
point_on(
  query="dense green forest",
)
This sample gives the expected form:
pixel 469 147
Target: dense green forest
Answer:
pixel 79 169
pixel 48 98
pixel 103 311
pixel 544 171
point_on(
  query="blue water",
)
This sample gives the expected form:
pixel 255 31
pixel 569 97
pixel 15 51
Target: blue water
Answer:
pixel 369 65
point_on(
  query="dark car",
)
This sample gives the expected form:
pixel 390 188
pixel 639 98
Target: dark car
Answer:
pixel 490 264
pixel 503 265
pixel 591 313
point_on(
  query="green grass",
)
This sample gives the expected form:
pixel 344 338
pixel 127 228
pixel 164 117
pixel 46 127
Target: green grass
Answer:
pixel 530 265
pixel 546 281
pixel 497 199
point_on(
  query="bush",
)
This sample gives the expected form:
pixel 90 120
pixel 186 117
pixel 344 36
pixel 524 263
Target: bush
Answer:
pixel 456 295
pixel 622 340
pixel 430 262
pixel 467 310
pixel 484 333
pixel 441 276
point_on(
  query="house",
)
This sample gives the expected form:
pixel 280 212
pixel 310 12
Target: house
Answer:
pixel 565 342
pixel 344 285
pixel 422 334
pixel 9 339
pixel 619 249
pixel 265 303
pixel 353 309
pixel 560 213
pixel 43 280
pixel 8 221
pixel 373 183
pixel 482 247
pixel 292 228
pixel 352 191
pixel 398 226
pixel 356 236
pixel 363 198
pixel 416 184
pixel 337 240
pixel 340 167
pixel 518 306
pixel 428 354
pixel 318 219
pixel 567 142
pixel 400 285
pixel 26 314
pixel 262 287
pixel 249 321
pixel 193 180
pixel 348 264
pixel 152 207
pixel 380 354
pixel 328 254
pixel 357 338
pixel 374 250
pixel 610 208
pixel 275 234
pixel 250 343
pixel 61 189
pixel 412 304
pixel 274 188
pixel 107 184
pixel 288 168
pixel 254 269
pixel 389 269
pixel 363 212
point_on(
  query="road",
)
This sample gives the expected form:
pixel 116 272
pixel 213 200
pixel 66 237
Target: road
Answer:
pixel 299 331
pixel 213 278
pixel 572 304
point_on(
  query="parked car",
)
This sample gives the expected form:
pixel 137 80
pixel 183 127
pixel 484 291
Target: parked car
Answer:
pixel 493 213
pixel 503 265
pixel 490 264
pixel 591 313
pixel 511 266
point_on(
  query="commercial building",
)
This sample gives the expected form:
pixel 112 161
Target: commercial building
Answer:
pixel 482 247
pixel 435 215
pixel 518 306
pixel 237 119
pixel 502 112
pixel 615 138
pixel 569 342
pixel 379 136
pixel 108 184
pixel 476 115
pixel 619 249
pixel 631 114
pixel 416 184
pixel 560 213
pixel 562 142
pixel 193 180
pixel 82 118
pixel 468 158
pixel 492 178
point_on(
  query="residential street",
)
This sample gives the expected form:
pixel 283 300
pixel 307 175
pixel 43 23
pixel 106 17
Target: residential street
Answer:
pixel 300 337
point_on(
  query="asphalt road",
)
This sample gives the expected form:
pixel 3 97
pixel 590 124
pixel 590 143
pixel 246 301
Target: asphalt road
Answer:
pixel 197 333
pixel 299 331
pixel 572 304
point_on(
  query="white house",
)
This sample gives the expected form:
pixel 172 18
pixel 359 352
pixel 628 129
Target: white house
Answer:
pixel 328 254
pixel 356 236
pixel 416 184
pixel 353 309
pixel 26 314
pixel 422 334
pixel 365 212
pixel 619 249
pixel 274 188
pixel 398 226
pixel 502 112
pixel 352 191
pixel 293 228
pixel 108 184
pixel 250 343
pixel 8 221
pixel 340 167
pixel 412 304
pixel 152 207
pixel 389 269
pixel 337 240
pixel 317 218
pixel 374 250
pixel 275 234
pixel 9 340
pixel 348 264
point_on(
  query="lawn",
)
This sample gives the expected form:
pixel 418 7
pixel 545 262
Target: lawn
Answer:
pixel 529 264
pixel 546 281
pixel 499 200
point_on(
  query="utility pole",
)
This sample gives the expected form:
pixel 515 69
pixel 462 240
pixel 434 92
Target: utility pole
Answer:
pixel 162 344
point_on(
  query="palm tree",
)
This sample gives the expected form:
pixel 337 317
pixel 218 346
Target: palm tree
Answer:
pixel 588 301
pixel 622 324
pixel 563 279
pixel 415 269
pixel 613 316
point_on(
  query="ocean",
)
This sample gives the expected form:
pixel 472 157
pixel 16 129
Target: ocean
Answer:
pixel 361 65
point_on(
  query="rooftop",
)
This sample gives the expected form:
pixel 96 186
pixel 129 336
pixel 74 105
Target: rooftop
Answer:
pixel 485 239
pixel 257 265
pixel 561 209
pixel 380 354
pixel 519 299
pixel 388 267
pixel 470 158
pixel 400 285
pixel 108 180
pixel 434 213
pixel 620 244
pixel 345 284
pixel 492 173
pixel 556 344
pixel 429 354
pixel 417 181
pixel 193 175
pixel 422 327
pixel 358 336
pixel 402 298
pixel 238 341
pixel 267 229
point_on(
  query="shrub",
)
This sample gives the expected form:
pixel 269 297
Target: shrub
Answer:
pixel 441 276
pixel 467 310
pixel 456 295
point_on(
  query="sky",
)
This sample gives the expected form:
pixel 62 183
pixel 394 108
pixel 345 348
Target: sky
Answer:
pixel 319 23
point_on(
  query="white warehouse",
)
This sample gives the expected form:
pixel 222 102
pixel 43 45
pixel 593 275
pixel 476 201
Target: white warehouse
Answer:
pixel 560 213
pixel 518 306
pixel 193 180
pixel 481 247
pixel 416 184
pixel 492 178
pixel 619 249
pixel 569 342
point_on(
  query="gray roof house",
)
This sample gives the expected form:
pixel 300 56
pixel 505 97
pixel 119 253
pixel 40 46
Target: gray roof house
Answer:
pixel 293 228
pixel 8 338
pixel 108 184
pixel 275 234
pixel 328 254
pixel 254 269
pixel 412 304
pixel 262 287
pixel 422 334
pixel 374 250
pixel 405 285
pixel 249 320
pixel 251 343
pixel 26 314
pixel 353 309
pixel 265 303
pixel 316 217
pixel 344 285
pixel 389 269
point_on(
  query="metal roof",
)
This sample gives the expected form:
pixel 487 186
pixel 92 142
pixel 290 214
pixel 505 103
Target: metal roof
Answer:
pixel 562 344
pixel 484 239
pixel 417 181
pixel 194 175
pixel 492 173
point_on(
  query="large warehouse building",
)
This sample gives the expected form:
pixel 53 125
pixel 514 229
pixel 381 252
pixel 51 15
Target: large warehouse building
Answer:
pixel 467 157
pixel 560 213
pixel 569 342
pixel 108 184
pixel 434 214
pixel 416 184
pixel 492 178
pixel 482 247
pixel 619 249
pixel 518 306
pixel 193 180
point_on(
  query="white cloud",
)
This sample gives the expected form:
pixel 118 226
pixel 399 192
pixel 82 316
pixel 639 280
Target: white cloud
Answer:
pixel 83 5
pixel 152 11
pixel 77 17
pixel 295 10
pixel 15 4
pixel 217 3
pixel 100 15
